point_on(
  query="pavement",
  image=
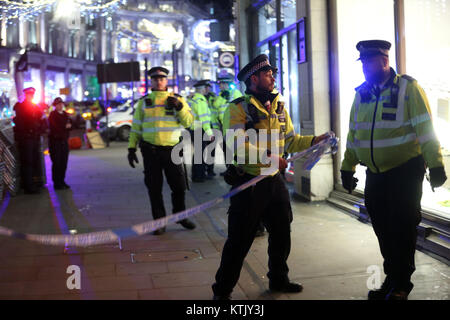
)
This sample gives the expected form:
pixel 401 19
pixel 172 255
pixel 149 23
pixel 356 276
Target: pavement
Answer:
pixel 333 255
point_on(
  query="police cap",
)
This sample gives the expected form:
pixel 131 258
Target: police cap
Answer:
pixel 224 79
pixel 260 63
pixel 29 90
pixel 202 83
pixel 158 72
pixel 57 101
pixel 371 48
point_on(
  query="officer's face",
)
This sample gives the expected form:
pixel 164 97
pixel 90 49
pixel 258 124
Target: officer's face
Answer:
pixel 224 86
pixel 29 96
pixel 159 83
pixel 59 106
pixel 374 68
pixel 265 81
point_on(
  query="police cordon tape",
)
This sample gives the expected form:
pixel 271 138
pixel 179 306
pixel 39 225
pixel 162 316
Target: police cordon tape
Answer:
pixel 312 155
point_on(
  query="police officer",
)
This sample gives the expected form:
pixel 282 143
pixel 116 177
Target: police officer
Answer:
pixel 59 125
pixel 210 97
pixel 227 93
pixel 29 126
pixel 268 200
pixel 391 133
pixel 200 127
pixel 157 124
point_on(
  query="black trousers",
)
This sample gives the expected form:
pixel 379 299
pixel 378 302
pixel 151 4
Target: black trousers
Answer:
pixel 30 162
pixel 393 202
pixel 268 201
pixel 157 160
pixel 59 154
pixel 198 169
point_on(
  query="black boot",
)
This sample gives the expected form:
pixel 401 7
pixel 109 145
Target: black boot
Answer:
pixel 188 224
pixel 287 287
pixel 379 294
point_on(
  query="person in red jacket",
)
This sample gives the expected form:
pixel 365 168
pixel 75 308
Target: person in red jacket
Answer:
pixel 59 125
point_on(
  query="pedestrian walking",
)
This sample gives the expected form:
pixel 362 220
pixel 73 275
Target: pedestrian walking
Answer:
pixel 60 125
pixel 391 133
pixel 29 125
pixel 267 201
pixel 158 120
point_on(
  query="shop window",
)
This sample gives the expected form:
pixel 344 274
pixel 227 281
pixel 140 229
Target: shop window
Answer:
pixel 267 20
pixel 427 59
pixel 288 12
pixel 359 20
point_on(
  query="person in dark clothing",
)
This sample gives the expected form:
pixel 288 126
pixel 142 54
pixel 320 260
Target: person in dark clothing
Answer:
pixel 60 125
pixel 29 124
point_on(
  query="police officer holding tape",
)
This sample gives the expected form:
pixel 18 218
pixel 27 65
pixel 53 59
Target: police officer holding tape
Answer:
pixel 157 124
pixel 391 133
pixel 268 200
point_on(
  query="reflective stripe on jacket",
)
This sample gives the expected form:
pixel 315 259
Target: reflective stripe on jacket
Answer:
pixel 386 132
pixel 221 104
pixel 248 113
pixel 155 124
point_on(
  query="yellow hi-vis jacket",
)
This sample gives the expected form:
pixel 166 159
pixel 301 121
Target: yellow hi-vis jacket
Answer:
pixel 215 124
pixel 248 113
pixel 221 104
pixel 388 130
pixel 202 115
pixel 157 125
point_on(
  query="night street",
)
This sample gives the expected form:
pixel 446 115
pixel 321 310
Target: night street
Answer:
pixel 330 254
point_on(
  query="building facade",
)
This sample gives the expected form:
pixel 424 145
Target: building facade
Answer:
pixel 313 44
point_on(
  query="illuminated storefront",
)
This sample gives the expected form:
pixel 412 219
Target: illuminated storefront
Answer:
pixel 425 58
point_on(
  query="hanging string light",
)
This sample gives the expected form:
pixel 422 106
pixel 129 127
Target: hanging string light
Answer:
pixel 29 9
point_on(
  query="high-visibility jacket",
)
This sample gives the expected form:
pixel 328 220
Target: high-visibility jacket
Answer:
pixel 221 104
pixel 156 124
pixel 248 113
pixel 388 129
pixel 215 124
pixel 202 115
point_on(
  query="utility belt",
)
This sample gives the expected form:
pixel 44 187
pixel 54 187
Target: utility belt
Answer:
pixel 412 166
pixel 146 145
pixel 235 175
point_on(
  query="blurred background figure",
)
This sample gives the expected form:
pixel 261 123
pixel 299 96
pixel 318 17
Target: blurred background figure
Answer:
pixel 29 125
pixel 60 125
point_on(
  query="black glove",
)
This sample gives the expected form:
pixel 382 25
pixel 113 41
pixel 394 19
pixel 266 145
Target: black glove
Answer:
pixel 348 182
pixel 132 157
pixel 174 103
pixel 225 94
pixel 437 177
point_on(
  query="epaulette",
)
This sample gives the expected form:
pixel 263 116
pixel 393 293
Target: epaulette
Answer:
pixel 238 100
pixel 409 78
pixel 176 95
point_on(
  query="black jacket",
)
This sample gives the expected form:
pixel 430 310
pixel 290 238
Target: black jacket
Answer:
pixel 57 124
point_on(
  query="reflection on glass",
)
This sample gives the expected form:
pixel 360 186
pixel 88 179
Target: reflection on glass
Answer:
pixel 427 60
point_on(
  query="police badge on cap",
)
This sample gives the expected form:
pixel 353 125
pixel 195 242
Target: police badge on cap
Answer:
pixel 371 48
pixel 158 72
pixel 260 63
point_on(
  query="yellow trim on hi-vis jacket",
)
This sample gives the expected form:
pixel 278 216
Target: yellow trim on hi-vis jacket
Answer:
pixel 154 123
pixel 220 104
pixel 202 115
pixel 247 113
pixel 384 134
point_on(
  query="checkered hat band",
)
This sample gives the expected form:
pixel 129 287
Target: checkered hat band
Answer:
pixel 158 73
pixel 255 68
